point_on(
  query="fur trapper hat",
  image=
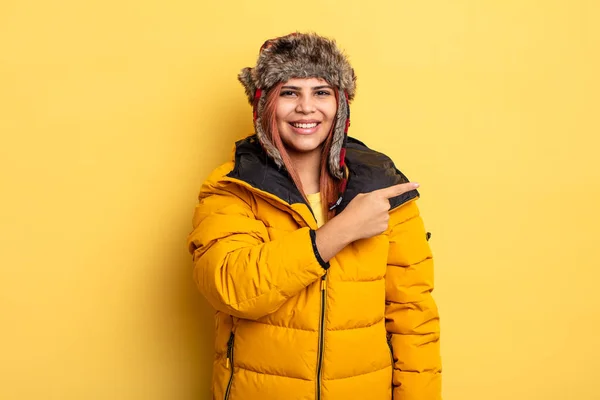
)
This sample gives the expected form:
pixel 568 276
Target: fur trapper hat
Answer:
pixel 302 55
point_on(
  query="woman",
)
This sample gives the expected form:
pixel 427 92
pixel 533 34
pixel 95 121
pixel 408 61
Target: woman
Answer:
pixel 310 247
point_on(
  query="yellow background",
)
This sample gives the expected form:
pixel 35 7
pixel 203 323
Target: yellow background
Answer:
pixel 113 112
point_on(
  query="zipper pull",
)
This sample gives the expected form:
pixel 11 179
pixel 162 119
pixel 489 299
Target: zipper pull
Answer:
pixel 323 281
pixel 227 363
pixel 337 203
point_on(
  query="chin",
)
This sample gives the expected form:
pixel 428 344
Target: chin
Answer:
pixel 304 145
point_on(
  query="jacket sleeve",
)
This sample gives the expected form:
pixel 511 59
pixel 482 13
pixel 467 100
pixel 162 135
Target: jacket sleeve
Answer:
pixel 238 268
pixel 412 319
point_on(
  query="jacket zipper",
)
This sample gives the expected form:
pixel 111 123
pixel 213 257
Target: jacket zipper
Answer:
pixel 321 333
pixel 230 363
pixel 323 295
pixel 389 343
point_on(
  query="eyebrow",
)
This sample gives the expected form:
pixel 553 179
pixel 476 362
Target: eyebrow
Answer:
pixel 313 88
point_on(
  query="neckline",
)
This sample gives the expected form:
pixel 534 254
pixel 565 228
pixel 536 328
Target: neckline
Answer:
pixel 314 196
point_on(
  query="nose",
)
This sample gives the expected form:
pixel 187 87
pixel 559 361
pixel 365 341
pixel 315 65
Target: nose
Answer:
pixel 305 105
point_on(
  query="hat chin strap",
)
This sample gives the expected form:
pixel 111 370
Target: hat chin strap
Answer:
pixel 257 96
pixel 337 155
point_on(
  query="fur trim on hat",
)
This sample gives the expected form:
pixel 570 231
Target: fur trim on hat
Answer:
pixel 301 55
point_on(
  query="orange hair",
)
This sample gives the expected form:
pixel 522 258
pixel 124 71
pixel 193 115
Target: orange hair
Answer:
pixel 328 185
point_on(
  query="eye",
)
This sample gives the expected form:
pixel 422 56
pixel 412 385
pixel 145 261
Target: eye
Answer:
pixel 287 93
pixel 323 93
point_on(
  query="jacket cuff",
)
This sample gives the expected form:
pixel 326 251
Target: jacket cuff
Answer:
pixel 313 239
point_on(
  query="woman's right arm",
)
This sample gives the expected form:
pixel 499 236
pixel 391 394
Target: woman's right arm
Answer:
pixel 366 216
pixel 244 274
pixel 237 268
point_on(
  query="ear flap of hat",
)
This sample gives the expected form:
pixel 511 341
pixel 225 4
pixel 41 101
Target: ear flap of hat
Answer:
pixel 246 79
pixel 337 154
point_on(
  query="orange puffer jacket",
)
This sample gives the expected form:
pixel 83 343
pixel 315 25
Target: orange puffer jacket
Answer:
pixel 290 326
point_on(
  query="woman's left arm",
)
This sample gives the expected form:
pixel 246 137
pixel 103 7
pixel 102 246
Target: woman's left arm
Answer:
pixel 412 318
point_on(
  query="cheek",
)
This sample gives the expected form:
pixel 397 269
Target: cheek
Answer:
pixel 331 109
pixel 329 113
pixel 278 115
pixel 282 110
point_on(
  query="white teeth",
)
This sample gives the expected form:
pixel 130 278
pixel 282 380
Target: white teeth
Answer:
pixel 305 126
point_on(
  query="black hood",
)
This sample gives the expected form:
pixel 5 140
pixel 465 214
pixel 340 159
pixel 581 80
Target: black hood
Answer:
pixel 369 171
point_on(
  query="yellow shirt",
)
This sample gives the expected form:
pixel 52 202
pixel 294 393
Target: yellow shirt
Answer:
pixel 315 204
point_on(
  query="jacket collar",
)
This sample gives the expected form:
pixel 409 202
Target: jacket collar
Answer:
pixel 369 170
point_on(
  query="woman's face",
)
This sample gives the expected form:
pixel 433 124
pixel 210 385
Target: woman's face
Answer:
pixel 306 111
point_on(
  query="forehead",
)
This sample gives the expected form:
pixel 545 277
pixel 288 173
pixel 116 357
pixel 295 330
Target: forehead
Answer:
pixel 306 82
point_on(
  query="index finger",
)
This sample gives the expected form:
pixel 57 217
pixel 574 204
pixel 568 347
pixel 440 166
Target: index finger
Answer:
pixel 397 190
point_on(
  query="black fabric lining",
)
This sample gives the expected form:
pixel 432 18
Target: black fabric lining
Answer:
pixel 313 240
pixel 253 166
pixel 369 171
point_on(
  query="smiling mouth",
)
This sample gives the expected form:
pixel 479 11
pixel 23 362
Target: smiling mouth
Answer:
pixel 302 125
